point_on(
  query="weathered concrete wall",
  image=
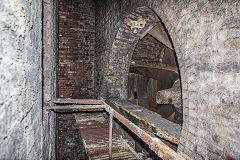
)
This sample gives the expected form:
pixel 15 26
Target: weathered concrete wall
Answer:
pixel 20 79
pixel 205 35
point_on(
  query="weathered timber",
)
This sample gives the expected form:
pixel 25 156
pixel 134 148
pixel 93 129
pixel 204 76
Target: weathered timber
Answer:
pixel 148 65
pixel 148 120
pixel 159 33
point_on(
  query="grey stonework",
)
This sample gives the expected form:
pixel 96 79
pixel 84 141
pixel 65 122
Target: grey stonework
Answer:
pixel 206 40
pixel 20 79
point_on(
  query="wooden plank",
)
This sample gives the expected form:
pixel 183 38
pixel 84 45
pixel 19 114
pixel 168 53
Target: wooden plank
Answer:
pixel 160 34
pixel 77 101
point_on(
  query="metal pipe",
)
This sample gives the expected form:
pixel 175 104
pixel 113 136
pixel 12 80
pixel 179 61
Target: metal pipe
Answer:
pixel 110 136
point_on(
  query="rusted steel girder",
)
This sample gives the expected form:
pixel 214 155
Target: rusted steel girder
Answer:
pixel 156 145
pixel 73 108
pixel 110 136
pixel 77 101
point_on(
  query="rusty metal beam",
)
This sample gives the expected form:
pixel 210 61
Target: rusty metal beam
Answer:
pixel 67 108
pixel 156 145
pixel 78 101
pixel 110 136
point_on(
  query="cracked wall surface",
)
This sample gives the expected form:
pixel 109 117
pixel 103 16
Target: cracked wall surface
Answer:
pixel 20 79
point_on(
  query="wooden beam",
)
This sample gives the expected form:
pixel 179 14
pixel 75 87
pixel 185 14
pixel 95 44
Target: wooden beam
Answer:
pixel 159 33
pixel 147 65
pixel 77 101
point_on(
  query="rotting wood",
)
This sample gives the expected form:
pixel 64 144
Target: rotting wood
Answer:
pixel 77 101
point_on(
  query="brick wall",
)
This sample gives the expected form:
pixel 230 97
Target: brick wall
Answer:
pixel 205 35
pixel 108 16
pixel 76 48
pixel 70 145
pixel 148 49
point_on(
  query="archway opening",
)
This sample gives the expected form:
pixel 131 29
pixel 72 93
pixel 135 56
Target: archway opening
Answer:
pixel 154 79
pixel 133 82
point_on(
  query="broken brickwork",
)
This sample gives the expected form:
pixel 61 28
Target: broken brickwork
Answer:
pixel 76 48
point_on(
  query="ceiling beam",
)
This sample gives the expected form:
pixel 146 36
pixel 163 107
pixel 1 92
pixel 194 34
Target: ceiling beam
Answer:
pixel 159 33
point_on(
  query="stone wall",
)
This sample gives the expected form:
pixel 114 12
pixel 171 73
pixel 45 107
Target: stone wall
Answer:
pixel 205 36
pixel 20 79
pixel 76 48
pixel 69 145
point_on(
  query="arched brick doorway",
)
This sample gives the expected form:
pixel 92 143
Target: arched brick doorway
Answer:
pixel 122 50
pixel 203 35
pixel 117 68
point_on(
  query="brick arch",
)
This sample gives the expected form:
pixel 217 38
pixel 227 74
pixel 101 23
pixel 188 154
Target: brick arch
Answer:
pixel 122 50
pixel 204 37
